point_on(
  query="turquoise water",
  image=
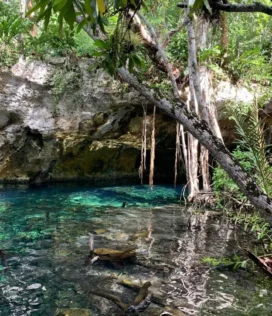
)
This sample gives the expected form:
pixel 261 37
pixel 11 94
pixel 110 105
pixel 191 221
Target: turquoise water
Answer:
pixel 21 208
pixel 45 268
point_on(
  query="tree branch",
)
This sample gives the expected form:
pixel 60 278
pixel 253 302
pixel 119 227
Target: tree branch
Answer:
pixel 255 7
pixel 150 44
pixel 162 55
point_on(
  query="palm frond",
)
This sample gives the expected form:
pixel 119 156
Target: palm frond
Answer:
pixel 251 131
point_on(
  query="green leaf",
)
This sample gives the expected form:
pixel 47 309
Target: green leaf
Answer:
pixel 80 7
pixel 1 29
pixel 137 60
pixel 207 5
pixel 87 5
pixel 93 6
pixel 40 5
pixel 59 4
pixel 99 54
pixel 81 25
pixel 47 16
pixel 70 15
pixel 134 4
pixel 195 4
pixel 131 64
pixel 101 44
pixel 145 7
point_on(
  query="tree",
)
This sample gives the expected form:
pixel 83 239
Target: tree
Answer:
pixel 91 15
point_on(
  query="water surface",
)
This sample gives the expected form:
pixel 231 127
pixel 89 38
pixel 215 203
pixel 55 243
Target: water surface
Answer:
pixel 44 235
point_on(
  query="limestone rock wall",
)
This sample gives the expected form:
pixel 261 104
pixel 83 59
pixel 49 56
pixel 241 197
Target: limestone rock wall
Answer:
pixel 92 133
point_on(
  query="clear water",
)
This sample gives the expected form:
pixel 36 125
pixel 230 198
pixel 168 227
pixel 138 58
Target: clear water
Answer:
pixel 44 238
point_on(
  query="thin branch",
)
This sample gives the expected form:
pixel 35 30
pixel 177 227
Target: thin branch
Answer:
pixel 172 33
pixel 193 70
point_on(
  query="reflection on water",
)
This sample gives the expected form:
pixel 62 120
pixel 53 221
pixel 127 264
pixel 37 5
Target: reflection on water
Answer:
pixel 44 237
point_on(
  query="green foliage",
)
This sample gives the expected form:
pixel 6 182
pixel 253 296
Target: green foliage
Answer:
pixel 251 64
pixel 233 262
pixel 51 42
pixel 224 187
pixel 251 154
pixel 121 48
pixel 250 46
pixel 93 11
pixel 11 24
pixel 11 29
pixel 178 48
pixel 250 130
pixel 254 223
pixel 214 262
pixel 62 81
pixel 84 45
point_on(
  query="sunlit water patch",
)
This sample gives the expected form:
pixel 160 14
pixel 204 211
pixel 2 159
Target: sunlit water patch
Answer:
pixel 45 267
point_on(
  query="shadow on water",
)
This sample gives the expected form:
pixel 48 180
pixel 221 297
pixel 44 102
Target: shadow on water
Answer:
pixel 44 235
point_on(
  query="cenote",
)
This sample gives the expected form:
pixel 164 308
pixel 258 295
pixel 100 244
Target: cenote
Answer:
pixel 46 268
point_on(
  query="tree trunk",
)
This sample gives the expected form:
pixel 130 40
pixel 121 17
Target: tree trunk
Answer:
pixel 224 31
pixel 193 144
pixel 201 131
pixel 200 77
pixel 195 78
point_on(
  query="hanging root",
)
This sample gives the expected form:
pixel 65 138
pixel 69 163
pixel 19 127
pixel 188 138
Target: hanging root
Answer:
pixel 143 149
pixel 152 151
pixel 178 152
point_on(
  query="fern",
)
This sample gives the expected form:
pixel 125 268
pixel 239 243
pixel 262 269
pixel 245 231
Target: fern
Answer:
pixel 251 131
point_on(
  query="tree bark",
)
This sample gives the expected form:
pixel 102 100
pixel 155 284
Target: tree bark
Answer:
pixel 199 38
pixel 255 7
pixel 192 163
pixel 201 131
pixel 193 69
pixel 224 31
pixel 152 45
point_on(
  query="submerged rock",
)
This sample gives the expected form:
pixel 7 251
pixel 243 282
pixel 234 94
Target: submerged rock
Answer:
pixel 72 312
pixel 34 286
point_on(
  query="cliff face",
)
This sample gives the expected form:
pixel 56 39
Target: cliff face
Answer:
pixel 92 132
pixel 61 124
